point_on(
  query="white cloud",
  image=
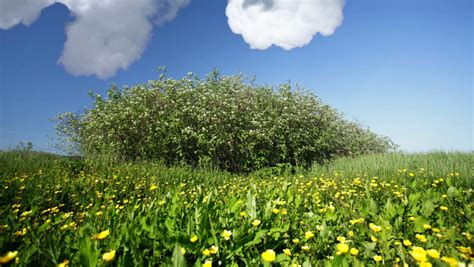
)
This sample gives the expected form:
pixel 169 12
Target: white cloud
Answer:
pixel 106 35
pixel 284 23
pixel 13 12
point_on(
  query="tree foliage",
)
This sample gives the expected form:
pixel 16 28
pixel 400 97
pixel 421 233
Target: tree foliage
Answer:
pixel 220 121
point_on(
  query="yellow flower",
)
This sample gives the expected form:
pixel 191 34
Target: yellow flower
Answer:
pixel 64 263
pixel 450 261
pixel 193 239
pixel 305 247
pixel 373 238
pixel 275 211
pixel 433 253
pixel 425 264
pixel 295 241
pixel 354 251
pixel 98 213
pixel 407 243
pixel 243 214
pixel 287 251
pixel 101 235
pixel 268 255
pixel 214 249
pixel 350 233
pixel 443 208
pixel 421 238
pixel 341 239
pixel 418 253
pixel 206 252
pixel 411 218
pixel 256 222
pixel 226 234
pixel 153 187
pixel 8 257
pixel 375 227
pixel 377 258
pixel 342 248
pixel 426 226
pixel 308 235
pixel 109 256
pixel 208 263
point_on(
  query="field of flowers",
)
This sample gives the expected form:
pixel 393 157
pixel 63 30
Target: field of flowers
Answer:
pixel 415 211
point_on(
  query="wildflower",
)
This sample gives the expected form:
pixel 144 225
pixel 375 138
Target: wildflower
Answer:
pixel 226 234
pixel 377 258
pixel 418 253
pixel 450 261
pixel 153 187
pixel 425 264
pixel 287 251
pixel 268 255
pixel 350 233
pixel 63 264
pixel 295 241
pixel 276 211
pixel 308 234
pixel 373 238
pixel 443 208
pixel 427 226
pixel 421 238
pixel 8 257
pixel 193 239
pixel 341 239
pixel 407 243
pixel 433 253
pixel 101 235
pixel 375 227
pixel 411 218
pixel 214 249
pixel 207 263
pixel 342 248
pixel 354 251
pixel 256 222
pixel 305 247
pixel 243 214
pixel 183 251
pixel 206 252
pixel 109 256
pixel 99 213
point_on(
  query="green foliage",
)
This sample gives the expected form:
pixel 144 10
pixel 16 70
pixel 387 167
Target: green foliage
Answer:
pixel 221 121
pixel 157 216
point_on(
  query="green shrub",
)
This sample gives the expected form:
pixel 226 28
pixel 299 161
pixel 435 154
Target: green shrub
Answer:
pixel 220 121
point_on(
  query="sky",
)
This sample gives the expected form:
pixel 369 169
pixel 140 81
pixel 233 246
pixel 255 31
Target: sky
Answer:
pixel 403 68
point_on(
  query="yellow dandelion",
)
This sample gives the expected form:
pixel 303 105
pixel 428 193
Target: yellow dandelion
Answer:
pixel 109 256
pixel 268 255
pixel 8 257
pixel 101 235
pixel 433 253
pixel 407 243
pixel 342 248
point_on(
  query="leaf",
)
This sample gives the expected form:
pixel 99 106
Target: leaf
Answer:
pixel 178 258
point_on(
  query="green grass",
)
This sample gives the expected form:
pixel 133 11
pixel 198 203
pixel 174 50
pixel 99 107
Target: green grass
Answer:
pixel 52 207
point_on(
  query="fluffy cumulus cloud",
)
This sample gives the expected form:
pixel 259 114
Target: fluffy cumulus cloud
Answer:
pixel 105 36
pixel 284 23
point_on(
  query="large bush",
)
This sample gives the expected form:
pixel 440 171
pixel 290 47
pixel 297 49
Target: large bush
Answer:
pixel 221 121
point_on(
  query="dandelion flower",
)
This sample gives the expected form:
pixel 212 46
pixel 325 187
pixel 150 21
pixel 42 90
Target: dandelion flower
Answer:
pixel 268 255
pixel 256 222
pixel 450 261
pixel 109 256
pixel 354 251
pixel 8 257
pixel 377 258
pixel 342 248
pixel 226 234
pixel 308 234
pixel 418 253
pixel 101 235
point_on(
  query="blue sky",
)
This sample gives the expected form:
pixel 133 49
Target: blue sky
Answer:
pixel 403 68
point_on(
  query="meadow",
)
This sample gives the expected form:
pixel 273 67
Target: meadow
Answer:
pixel 389 209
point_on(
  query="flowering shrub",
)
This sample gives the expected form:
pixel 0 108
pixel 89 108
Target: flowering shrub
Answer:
pixel 221 121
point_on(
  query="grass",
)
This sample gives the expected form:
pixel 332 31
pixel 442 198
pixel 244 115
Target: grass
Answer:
pixel 379 209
